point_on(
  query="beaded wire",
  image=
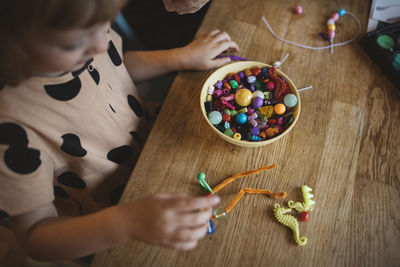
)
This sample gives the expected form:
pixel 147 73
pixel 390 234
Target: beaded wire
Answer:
pixel 329 28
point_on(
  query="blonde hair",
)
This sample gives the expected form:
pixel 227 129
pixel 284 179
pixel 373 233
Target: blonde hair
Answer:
pixel 17 17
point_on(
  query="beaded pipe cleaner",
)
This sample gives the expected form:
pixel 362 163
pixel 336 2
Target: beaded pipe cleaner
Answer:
pixel 201 178
pixel 331 32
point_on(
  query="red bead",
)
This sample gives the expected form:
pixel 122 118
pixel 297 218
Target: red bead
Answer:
pixel 210 194
pixel 236 77
pixel 256 71
pixel 234 130
pixel 226 117
pixel 304 216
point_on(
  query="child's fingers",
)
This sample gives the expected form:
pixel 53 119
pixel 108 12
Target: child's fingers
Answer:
pixel 194 219
pixel 221 36
pixel 225 45
pixel 187 204
pixel 214 32
pixel 189 234
pixel 218 62
pixel 181 245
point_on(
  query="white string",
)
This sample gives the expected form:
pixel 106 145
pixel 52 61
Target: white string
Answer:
pixel 281 62
pixel 321 47
pixel 305 88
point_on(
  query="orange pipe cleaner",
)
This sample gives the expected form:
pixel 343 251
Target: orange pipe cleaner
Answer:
pixel 253 191
pixel 241 174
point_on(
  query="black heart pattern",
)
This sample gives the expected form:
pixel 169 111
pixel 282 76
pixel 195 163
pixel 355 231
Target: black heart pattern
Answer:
pixel 18 157
pixel 72 145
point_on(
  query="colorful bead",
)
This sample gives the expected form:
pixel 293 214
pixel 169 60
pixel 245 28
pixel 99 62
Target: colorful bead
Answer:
pixel 229 132
pixel 267 111
pixel 331 34
pixel 211 89
pixel 270 86
pixel 243 110
pixel 290 100
pixel 241 118
pixel 304 215
pixel 341 12
pixel 279 109
pixel 247 72
pixel 208 106
pixel 211 227
pixel 335 16
pixel 233 84
pixel 298 10
pixel 251 79
pixel 330 21
pixel 215 117
pixel 255 131
pixel 237 136
pixel 219 214
pixel 259 94
pixel 256 71
pixel 227 85
pixel 226 117
pixel 243 97
pixel 332 27
pixel 257 102
pixel 209 98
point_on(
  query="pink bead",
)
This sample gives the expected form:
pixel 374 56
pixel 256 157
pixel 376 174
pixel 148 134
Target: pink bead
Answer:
pixel 298 10
pixel 335 16
pixel 331 33
pixel 270 86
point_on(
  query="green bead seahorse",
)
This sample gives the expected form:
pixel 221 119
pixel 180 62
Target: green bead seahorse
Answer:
pixel 289 221
pixel 308 203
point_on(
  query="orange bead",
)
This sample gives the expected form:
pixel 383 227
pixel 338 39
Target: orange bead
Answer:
pixel 279 108
pixel 263 135
pixel 248 72
pixel 271 132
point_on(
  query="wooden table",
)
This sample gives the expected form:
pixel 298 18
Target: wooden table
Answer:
pixel 345 146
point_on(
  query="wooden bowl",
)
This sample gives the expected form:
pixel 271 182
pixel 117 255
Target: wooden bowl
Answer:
pixel 220 74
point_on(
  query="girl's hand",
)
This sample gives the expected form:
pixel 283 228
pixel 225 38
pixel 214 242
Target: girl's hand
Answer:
pixel 200 54
pixel 175 221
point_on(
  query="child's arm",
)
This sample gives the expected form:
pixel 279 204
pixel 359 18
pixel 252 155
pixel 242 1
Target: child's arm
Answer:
pixel 169 220
pixel 198 55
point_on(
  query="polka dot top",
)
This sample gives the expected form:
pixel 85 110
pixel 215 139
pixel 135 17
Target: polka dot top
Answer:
pixel 73 139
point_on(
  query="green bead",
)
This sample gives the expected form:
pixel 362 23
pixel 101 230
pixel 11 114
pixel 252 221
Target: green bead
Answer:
pixel 243 110
pixel 215 117
pixel 227 111
pixel 229 132
pixel 258 85
pixel 219 214
pixel 201 176
pixel 233 113
pixel 233 84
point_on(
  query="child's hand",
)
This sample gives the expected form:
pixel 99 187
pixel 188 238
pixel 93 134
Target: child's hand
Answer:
pixel 200 54
pixel 175 221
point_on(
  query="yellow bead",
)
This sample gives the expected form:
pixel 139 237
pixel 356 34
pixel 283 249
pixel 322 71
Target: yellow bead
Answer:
pixel 331 27
pixel 237 136
pixel 243 97
pixel 209 98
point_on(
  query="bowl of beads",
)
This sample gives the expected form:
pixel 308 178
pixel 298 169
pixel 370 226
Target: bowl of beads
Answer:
pixel 250 103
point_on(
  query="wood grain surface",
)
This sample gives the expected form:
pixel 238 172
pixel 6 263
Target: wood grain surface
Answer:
pixel 345 146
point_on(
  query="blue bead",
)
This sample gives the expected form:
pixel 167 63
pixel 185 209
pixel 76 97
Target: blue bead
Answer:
pixel 341 12
pixel 241 118
pixel 211 227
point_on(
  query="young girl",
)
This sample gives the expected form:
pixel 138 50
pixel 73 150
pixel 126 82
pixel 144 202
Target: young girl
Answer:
pixel 72 125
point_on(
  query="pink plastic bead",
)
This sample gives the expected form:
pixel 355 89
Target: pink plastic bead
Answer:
pixel 298 10
pixel 335 16
pixel 270 86
pixel 331 33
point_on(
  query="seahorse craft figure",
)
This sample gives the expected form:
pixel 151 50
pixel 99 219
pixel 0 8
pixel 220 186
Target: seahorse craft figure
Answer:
pixel 308 203
pixel 289 221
